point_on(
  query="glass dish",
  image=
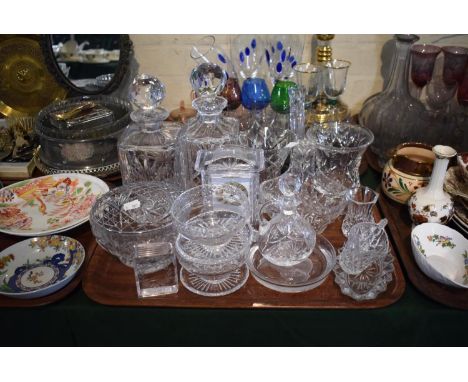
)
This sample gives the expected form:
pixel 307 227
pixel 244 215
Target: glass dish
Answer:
pixel 211 214
pixel 214 270
pixel 79 147
pixel 131 215
pixel 304 276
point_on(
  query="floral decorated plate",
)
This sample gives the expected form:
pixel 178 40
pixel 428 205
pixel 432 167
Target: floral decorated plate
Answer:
pixel 454 183
pixel 49 204
pixel 39 266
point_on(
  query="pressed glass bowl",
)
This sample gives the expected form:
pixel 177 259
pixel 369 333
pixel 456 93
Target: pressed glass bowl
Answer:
pixel 133 214
pixel 210 214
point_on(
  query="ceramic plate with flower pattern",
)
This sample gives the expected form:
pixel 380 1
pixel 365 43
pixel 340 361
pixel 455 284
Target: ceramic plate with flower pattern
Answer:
pixel 49 204
pixel 39 266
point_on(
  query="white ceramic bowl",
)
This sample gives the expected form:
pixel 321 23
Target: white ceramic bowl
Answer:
pixel 441 253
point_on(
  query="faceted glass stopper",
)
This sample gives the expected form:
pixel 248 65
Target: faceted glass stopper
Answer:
pixel 146 92
pixel 208 79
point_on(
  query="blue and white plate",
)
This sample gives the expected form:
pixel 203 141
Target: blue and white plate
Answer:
pixel 39 266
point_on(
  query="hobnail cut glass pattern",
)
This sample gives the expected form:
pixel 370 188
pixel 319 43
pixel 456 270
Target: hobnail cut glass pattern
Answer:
pixel 211 214
pixel 133 214
pixel 339 147
pixel 360 201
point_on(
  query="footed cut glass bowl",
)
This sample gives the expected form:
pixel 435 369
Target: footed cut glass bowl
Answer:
pixel 211 214
pixel 133 214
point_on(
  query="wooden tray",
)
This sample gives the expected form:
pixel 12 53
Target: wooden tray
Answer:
pixel 109 282
pixel 399 224
pixel 84 235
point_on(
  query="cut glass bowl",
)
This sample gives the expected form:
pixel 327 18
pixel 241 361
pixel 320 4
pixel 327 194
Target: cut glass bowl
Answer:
pixel 133 214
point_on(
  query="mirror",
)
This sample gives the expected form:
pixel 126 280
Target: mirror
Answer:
pixel 87 64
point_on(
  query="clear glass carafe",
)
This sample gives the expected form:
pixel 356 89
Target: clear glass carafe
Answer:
pixel 147 147
pixel 393 115
pixel 209 129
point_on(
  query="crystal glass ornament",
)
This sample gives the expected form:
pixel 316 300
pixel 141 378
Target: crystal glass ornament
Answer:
pixel 133 214
pixel 234 165
pixel 287 239
pixel 205 50
pixel 209 129
pixel 339 147
pixel 147 147
pixel 365 264
pixel 393 115
pixel 297 111
pixel 214 238
pixel 360 201
pixel 282 54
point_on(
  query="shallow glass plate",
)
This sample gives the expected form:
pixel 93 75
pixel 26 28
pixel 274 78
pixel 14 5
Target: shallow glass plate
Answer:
pixel 49 204
pixel 39 266
pixel 306 275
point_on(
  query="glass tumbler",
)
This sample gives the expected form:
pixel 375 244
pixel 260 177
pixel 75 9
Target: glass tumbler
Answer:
pixel 360 202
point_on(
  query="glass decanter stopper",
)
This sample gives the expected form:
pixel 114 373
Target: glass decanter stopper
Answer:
pixel 147 147
pixel 209 129
pixel 287 239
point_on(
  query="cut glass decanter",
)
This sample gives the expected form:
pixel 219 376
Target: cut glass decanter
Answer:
pixel 147 146
pixel 209 129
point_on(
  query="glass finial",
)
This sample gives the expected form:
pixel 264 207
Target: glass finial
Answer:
pixel 146 94
pixel 208 80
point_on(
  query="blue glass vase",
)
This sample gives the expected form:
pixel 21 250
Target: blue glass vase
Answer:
pixel 255 94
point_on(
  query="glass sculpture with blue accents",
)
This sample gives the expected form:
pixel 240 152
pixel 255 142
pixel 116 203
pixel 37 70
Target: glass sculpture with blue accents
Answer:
pixel 206 50
pixel 282 53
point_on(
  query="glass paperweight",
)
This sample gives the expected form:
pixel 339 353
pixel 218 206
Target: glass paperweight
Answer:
pixel 234 165
pixel 286 239
pixel 360 201
pixel 214 238
pixel 133 214
pixel 365 264
pixel 147 146
pixel 209 129
pixel 155 269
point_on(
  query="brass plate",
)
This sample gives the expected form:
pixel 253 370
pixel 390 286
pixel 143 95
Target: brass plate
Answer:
pixel 26 86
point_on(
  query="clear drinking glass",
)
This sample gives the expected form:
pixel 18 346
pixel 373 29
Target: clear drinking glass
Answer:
pixel 334 78
pixel 297 111
pixel 311 77
pixel 339 149
pixel 360 201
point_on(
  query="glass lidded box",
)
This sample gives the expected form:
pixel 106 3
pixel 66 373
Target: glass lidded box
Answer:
pixel 81 133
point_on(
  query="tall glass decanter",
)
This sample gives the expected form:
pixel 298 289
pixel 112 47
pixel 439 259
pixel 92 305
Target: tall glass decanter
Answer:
pixel 393 115
pixel 147 146
pixel 209 129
